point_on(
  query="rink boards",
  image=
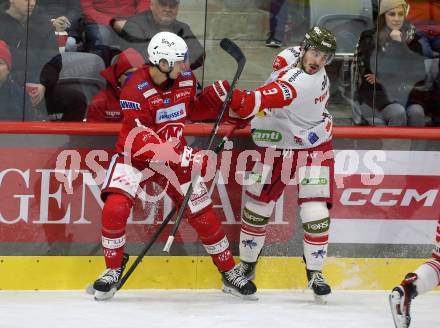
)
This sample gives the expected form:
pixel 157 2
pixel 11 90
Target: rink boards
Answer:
pixel 385 209
pixel 187 272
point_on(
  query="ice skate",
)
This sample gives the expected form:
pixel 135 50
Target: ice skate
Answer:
pixel 237 284
pixel 247 269
pixel 317 283
pixel 106 285
pixel 400 301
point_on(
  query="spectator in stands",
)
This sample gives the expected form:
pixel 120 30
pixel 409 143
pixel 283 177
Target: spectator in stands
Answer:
pixel 105 17
pixel 385 76
pixel 277 23
pixel 32 42
pixel 105 105
pixel 425 15
pixel 10 93
pixel 37 62
pixel 66 20
pixel 161 17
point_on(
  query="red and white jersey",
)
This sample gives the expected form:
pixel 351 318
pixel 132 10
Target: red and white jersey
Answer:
pixel 303 122
pixel 164 109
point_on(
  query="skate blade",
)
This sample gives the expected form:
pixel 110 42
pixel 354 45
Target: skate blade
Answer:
pixel 90 290
pixel 104 296
pixel 232 291
pixel 399 319
pixel 321 299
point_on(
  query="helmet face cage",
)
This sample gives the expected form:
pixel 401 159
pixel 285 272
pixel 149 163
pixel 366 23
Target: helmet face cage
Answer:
pixel 167 46
pixel 321 39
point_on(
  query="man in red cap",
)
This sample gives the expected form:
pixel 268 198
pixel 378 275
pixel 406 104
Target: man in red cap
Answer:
pixel 105 104
pixel 10 92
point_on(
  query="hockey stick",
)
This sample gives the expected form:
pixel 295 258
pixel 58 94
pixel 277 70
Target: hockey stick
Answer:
pixel 145 249
pixel 232 49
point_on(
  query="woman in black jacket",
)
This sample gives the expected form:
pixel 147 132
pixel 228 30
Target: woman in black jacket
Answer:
pixel 388 64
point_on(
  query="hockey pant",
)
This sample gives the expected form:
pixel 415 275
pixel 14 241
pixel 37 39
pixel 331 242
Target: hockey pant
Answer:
pixel 118 196
pixel 428 274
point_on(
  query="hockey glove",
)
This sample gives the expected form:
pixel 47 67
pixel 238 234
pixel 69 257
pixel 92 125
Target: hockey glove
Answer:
pixel 232 118
pixel 214 95
pixel 193 160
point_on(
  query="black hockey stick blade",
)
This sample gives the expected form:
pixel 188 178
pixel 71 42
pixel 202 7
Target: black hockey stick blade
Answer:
pixel 231 48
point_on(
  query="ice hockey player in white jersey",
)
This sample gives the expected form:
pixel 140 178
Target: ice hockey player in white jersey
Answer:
pixel 424 279
pixel 291 122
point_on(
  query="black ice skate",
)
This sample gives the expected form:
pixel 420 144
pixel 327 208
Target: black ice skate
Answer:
pixel 237 284
pixel 400 301
pixel 247 269
pixel 319 286
pixel 106 285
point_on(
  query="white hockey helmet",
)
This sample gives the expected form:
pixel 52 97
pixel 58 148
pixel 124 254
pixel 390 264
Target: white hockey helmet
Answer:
pixel 167 46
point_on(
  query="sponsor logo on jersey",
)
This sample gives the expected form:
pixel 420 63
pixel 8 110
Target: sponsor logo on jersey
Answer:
pixel 313 137
pixel 287 93
pixel 182 94
pixel 128 104
pixel 266 135
pixel 186 73
pixel 187 83
pixel 295 75
pixel 173 113
pixel 294 52
pixel 298 140
pixel 156 101
pixel 321 98
pixel 149 93
pixel 279 63
pixel 166 101
pixel 142 85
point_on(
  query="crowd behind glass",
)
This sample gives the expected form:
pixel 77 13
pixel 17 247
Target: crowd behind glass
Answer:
pixel 67 60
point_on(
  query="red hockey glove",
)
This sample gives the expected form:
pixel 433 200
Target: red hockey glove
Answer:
pixel 243 103
pixel 214 95
pixel 232 118
pixel 194 160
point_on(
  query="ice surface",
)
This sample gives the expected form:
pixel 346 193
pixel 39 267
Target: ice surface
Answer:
pixel 207 309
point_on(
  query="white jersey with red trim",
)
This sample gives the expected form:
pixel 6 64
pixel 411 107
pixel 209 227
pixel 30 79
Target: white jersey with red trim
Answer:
pixel 305 121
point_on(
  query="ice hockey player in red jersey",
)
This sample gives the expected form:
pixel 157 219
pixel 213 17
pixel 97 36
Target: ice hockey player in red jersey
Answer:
pixel 424 279
pixel 156 101
pixel 293 125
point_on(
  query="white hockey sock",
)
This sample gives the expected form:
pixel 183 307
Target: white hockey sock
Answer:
pixel 428 276
pixel 253 229
pixel 316 223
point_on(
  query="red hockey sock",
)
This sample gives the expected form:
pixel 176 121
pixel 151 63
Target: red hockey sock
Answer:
pixel 210 231
pixel 114 219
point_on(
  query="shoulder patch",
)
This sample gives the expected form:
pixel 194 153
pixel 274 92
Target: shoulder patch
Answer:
pixel 149 93
pixel 186 83
pixel 141 86
pixel 184 93
pixel 128 104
